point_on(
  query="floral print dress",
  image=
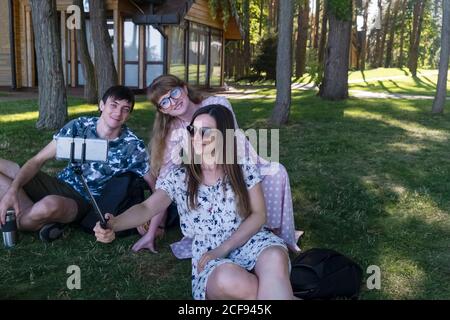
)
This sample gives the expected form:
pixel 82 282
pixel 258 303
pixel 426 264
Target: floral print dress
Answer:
pixel 214 221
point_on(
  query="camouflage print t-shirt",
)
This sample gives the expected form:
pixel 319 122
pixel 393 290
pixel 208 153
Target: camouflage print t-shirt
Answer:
pixel 126 153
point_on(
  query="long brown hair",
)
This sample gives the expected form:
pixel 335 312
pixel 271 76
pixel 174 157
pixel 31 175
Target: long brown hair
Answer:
pixel 159 87
pixel 233 172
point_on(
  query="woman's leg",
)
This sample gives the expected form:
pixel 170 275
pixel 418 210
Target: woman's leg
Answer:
pixel 230 281
pixel 280 213
pixel 272 270
pixel 9 168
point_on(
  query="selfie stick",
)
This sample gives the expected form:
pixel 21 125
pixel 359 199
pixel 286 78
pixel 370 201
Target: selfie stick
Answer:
pixel 78 170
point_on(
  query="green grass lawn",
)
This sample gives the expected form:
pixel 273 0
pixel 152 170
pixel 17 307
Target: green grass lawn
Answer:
pixel 401 81
pixel 383 80
pixel 370 178
pixel 382 72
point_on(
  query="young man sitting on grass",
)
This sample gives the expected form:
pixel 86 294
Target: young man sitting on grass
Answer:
pixel 47 204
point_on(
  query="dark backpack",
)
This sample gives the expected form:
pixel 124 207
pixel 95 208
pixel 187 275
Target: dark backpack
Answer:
pixel 325 274
pixel 120 193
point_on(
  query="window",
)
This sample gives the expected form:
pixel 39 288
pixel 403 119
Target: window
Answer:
pixel 198 54
pixel 154 53
pixel 193 57
pixel 131 53
pixel 80 76
pixel 204 56
pixel 203 59
pixel 177 65
pixel 90 43
pixel 86 5
pixel 215 66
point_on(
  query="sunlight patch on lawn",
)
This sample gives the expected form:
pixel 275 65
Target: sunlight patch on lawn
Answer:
pixel 403 202
pixel 414 129
pixel 75 110
pixel 406 147
pixel 22 116
pixel 403 107
pixel 420 205
pixel 376 184
pixel 400 277
pixel 82 109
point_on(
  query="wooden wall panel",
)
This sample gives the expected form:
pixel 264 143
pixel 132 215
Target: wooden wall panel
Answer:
pixel 5 48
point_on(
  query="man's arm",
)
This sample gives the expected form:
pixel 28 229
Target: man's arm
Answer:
pixel 25 174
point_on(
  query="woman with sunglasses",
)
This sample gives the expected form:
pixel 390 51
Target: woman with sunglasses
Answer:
pixel 176 103
pixel 222 208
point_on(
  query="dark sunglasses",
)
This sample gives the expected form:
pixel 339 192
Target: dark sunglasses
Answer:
pixel 174 94
pixel 205 131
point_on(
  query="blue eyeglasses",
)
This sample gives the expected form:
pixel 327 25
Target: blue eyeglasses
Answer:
pixel 174 94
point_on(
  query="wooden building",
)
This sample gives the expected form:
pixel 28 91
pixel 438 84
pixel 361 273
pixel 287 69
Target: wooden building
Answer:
pixel 149 38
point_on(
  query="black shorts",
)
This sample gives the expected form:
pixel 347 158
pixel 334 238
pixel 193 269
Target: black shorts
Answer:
pixel 42 185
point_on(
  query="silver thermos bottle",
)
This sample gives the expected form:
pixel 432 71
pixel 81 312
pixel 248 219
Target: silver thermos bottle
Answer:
pixel 9 229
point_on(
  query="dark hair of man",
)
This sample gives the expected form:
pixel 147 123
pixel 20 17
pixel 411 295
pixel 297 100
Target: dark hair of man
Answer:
pixel 120 93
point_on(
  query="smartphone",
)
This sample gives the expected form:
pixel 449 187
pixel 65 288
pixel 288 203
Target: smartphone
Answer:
pixel 96 149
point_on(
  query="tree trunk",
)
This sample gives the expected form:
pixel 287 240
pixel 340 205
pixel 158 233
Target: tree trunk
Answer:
pixel 323 34
pixel 413 56
pixel 103 55
pixel 280 113
pixel 52 91
pixel 390 44
pixel 402 34
pixel 362 62
pixel 270 17
pixel 302 34
pixel 369 47
pixel 276 13
pixel 441 92
pixel 316 25
pixel 261 16
pixel 377 52
pixel 246 9
pixel 335 81
pixel 240 63
pixel 387 18
pixel 90 87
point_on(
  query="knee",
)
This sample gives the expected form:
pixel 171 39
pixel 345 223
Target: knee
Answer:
pixel 275 259
pixel 234 281
pixel 223 276
pixel 4 180
pixel 45 208
pixel 8 168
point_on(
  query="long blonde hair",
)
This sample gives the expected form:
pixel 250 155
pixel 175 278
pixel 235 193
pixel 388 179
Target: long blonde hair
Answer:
pixel 161 126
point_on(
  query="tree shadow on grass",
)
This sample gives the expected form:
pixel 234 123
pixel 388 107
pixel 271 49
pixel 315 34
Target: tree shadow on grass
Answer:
pixel 422 84
pixel 382 85
pixel 430 82
pixel 405 71
pixel 395 84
